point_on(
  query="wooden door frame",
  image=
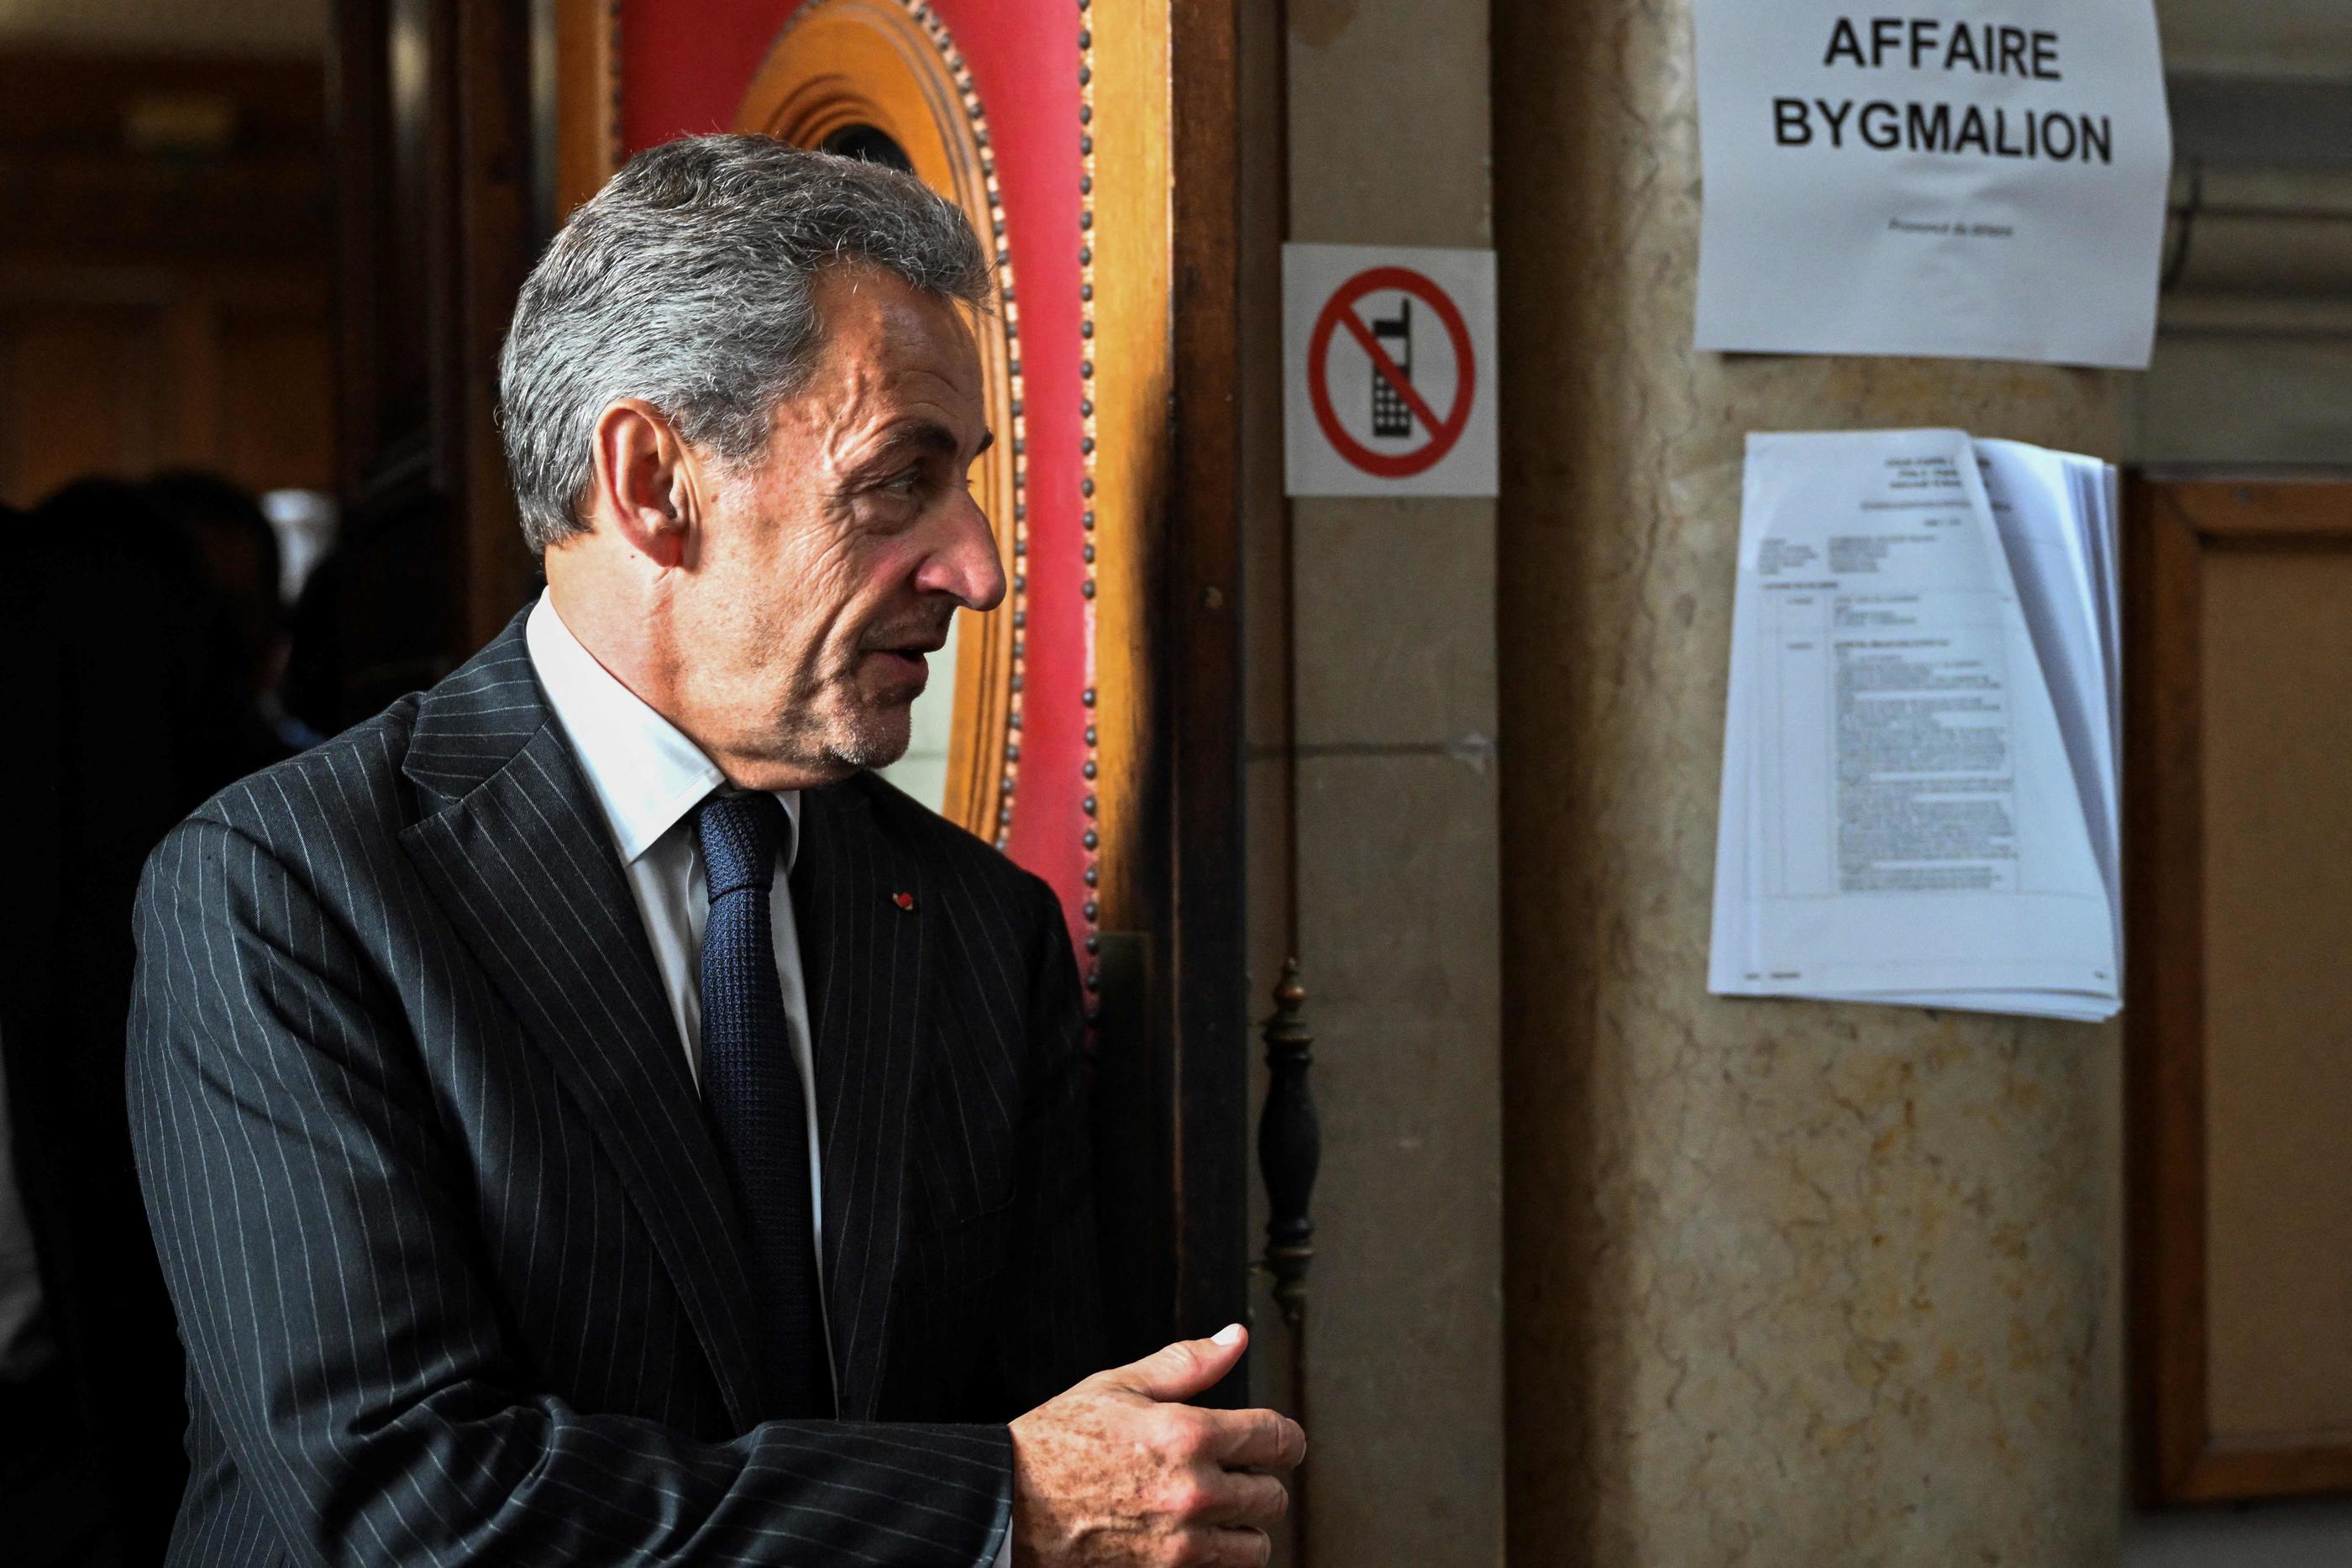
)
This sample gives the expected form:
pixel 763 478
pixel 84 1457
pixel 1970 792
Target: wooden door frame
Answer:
pixel 1203 908
pixel 424 489
pixel 1174 961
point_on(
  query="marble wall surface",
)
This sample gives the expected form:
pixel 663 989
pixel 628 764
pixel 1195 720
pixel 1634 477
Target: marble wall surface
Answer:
pixel 1371 719
pixel 1786 1283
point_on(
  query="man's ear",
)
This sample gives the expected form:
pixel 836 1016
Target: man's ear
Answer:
pixel 645 484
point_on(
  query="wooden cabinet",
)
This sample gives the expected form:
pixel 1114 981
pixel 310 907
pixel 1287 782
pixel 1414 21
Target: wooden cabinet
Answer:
pixel 2239 1025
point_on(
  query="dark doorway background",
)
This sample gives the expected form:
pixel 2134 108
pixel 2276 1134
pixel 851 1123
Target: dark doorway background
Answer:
pixel 165 310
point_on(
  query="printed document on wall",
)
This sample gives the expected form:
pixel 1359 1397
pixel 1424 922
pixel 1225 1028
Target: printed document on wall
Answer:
pixel 1920 748
pixel 1980 178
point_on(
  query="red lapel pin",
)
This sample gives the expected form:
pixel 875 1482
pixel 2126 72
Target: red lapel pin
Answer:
pixel 903 900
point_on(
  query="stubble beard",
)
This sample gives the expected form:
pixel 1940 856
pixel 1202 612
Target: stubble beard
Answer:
pixel 866 733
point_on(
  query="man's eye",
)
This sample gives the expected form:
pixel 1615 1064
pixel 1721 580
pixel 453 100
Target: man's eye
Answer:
pixel 904 484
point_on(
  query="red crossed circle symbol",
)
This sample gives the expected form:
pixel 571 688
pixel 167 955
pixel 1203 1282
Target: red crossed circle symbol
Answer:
pixel 1341 312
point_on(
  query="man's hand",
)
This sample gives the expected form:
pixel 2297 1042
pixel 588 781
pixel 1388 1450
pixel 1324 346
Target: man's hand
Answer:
pixel 1118 1471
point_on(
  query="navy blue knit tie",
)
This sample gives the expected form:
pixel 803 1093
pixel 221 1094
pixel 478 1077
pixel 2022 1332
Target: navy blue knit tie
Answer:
pixel 753 1090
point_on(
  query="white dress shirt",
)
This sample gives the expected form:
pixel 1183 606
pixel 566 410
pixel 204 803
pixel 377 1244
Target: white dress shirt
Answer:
pixel 649 778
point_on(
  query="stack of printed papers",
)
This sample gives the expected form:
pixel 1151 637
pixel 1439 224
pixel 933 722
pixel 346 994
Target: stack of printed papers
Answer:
pixel 1919 769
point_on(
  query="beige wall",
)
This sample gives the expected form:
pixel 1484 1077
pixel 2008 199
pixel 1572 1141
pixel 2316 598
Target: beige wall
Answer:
pixel 1383 727
pixel 2253 352
pixel 2295 38
pixel 1788 1284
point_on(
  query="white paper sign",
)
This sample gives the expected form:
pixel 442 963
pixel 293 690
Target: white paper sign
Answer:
pixel 1978 178
pixel 1388 370
pixel 1919 759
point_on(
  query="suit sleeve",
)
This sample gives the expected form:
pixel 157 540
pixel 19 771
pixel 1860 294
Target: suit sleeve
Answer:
pixel 319 1254
pixel 1052 1335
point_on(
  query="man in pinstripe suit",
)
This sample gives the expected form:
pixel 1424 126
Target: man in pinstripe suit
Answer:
pixel 473 1262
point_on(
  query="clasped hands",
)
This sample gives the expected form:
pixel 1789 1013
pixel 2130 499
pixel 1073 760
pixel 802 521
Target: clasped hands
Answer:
pixel 1119 1471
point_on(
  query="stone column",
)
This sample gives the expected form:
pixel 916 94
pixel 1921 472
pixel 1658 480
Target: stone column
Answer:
pixel 1786 1283
pixel 1390 606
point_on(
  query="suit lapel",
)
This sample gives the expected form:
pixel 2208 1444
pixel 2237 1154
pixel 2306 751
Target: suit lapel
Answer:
pixel 519 860
pixel 863 956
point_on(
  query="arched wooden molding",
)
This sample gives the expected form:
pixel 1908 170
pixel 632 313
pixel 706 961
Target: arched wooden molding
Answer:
pixel 844 65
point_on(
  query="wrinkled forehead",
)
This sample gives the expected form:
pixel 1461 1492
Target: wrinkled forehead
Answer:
pixel 884 339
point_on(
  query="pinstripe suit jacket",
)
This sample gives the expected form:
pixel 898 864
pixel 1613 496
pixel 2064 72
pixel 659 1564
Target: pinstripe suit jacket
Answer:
pixel 456 1263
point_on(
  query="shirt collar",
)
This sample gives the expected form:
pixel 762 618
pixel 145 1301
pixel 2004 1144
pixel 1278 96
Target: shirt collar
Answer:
pixel 644 771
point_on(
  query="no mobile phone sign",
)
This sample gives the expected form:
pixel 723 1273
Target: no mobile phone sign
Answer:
pixel 1389 356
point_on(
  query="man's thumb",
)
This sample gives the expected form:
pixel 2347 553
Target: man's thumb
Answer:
pixel 1189 1367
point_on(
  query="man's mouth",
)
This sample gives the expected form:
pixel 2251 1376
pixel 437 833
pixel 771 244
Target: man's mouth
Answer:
pixel 909 657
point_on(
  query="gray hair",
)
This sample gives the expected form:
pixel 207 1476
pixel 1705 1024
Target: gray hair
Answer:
pixel 685 282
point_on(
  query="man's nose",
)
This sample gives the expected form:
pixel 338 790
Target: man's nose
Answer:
pixel 965 563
